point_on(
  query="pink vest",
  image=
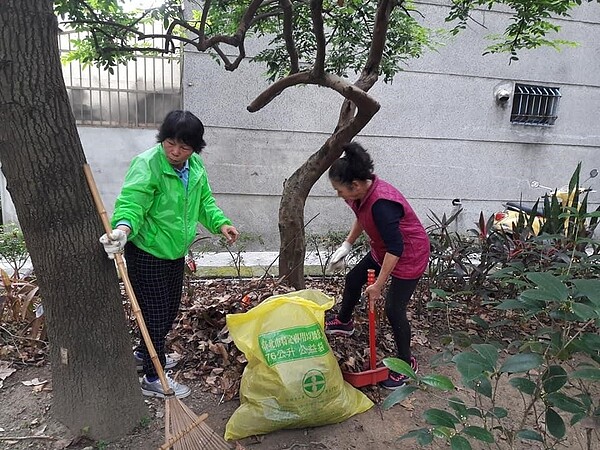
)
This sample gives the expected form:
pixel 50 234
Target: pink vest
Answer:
pixel 413 261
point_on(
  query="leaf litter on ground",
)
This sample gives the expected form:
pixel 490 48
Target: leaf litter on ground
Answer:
pixel 208 356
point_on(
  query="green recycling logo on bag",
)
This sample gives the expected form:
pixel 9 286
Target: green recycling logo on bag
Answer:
pixel 314 383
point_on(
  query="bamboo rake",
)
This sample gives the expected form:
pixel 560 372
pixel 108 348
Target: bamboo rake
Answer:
pixel 183 429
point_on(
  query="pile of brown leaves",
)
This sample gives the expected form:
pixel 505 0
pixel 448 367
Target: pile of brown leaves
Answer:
pixel 210 359
pixel 213 361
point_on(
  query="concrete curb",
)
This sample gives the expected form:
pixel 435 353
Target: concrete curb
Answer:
pixel 222 264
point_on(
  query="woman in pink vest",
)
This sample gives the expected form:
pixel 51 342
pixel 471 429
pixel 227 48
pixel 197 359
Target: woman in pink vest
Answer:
pixel 399 249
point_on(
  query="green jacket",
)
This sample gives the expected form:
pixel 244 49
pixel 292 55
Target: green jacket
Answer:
pixel 163 216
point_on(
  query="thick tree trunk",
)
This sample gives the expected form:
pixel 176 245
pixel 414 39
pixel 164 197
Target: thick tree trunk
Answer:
pixel 94 381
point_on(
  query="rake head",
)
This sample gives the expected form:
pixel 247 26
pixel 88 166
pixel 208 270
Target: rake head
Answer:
pixel 184 430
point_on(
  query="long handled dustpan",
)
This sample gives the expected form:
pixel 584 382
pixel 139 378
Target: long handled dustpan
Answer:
pixel 375 374
pixel 183 429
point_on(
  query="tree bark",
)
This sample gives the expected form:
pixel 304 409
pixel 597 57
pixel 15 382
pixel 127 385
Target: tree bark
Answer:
pixel 350 123
pixel 296 188
pixel 95 387
pixel 291 208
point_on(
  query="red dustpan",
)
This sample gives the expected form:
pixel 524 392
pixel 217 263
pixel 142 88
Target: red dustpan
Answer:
pixel 375 374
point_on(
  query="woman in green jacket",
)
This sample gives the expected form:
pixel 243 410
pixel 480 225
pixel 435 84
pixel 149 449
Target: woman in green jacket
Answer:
pixel 164 196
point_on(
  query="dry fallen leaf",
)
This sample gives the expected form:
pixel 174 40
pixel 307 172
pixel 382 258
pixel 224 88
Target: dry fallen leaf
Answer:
pixel 40 387
pixel 407 404
pixel 34 382
pixel 5 371
pixel 210 358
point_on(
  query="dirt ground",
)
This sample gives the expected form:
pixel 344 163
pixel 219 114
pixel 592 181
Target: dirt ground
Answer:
pixel 26 416
pixel 27 421
pixel 26 412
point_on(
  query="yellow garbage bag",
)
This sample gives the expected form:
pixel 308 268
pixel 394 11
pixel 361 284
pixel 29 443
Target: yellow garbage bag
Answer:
pixel 292 379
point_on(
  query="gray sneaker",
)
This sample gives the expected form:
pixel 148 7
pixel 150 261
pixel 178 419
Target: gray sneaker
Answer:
pixel 139 361
pixel 155 389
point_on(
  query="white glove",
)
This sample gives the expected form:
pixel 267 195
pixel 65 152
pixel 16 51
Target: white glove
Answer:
pixel 113 242
pixel 337 261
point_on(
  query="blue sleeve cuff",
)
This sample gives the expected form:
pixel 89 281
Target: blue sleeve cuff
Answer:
pixel 124 222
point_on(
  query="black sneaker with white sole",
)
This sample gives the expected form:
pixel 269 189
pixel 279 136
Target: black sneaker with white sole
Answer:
pixel 336 326
pixel 396 380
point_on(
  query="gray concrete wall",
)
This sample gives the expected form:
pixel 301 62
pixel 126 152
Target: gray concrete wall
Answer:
pixel 439 134
pixel 108 151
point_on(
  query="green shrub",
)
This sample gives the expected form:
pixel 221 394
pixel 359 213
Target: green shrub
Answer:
pixel 554 368
pixel 544 290
pixel 12 248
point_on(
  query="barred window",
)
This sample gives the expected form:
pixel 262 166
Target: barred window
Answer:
pixel 137 94
pixel 535 105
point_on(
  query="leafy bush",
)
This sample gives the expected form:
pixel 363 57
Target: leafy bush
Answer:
pixel 464 261
pixel 12 248
pixel 21 310
pixel 544 289
pixel 554 366
pixel 555 369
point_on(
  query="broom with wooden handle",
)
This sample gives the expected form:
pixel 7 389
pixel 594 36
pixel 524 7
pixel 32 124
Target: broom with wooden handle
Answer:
pixel 183 429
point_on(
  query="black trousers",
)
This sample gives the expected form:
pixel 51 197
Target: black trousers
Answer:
pixel 396 302
pixel 157 284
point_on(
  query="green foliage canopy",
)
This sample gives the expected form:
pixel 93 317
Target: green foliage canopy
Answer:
pixel 114 34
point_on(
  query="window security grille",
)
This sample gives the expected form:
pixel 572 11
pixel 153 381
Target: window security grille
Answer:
pixel 535 105
pixel 138 94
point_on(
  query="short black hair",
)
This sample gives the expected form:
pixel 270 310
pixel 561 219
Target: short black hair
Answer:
pixel 183 126
pixel 356 164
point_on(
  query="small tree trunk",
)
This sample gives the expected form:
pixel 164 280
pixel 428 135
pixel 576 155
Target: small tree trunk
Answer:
pixel 94 381
pixel 291 210
pixel 298 186
pixel 291 232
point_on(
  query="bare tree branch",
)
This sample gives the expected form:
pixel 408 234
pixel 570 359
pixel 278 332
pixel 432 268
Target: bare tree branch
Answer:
pixel 237 40
pixel 223 57
pixel 133 49
pixel 286 6
pixel 316 12
pixel 370 72
pixel 263 16
pixel 350 92
pixel 203 18
pixel 267 96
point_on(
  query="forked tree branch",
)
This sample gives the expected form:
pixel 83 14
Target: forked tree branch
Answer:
pixel 348 90
pixel 370 72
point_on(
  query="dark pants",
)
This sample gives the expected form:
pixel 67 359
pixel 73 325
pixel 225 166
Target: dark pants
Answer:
pixel 396 302
pixel 157 284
